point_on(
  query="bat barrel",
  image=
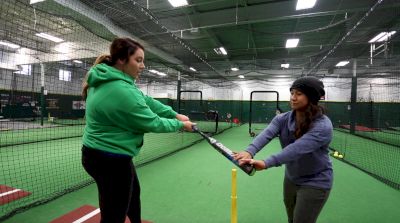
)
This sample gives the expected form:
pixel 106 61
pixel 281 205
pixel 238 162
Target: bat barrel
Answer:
pixel 196 129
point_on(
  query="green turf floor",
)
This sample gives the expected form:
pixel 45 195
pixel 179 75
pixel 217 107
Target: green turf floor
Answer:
pixel 194 186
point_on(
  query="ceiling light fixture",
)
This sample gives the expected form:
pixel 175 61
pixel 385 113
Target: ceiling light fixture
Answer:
pixel 241 76
pixel 157 72
pixel 77 61
pixel 192 69
pixel 178 3
pixel 383 36
pixel 49 37
pixel 64 47
pixel 234 69
pixel 342 63
pixel 292 43
pixel 35 1
pixel 305 4
pixel 223 51
pixel 11 45
pixel 220 51
pixel 285 65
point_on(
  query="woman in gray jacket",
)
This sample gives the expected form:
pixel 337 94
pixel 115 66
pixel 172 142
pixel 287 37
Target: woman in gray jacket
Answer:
pixel 304 133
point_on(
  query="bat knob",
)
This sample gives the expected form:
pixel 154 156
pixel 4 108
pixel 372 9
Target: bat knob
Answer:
pixel 195 128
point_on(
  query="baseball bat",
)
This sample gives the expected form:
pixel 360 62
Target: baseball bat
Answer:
pixel 247 168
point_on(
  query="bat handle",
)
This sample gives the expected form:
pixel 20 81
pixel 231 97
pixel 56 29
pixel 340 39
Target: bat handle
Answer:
pixel 195 128
pixel 249 169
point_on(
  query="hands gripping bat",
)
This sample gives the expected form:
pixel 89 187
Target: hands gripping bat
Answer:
pixel 247 168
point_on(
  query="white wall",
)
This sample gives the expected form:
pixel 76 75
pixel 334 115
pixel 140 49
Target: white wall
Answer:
pixel 337 89
pixel 52 83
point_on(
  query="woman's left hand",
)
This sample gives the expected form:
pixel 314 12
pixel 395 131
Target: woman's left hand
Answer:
pixel 182 118
pixel 258 164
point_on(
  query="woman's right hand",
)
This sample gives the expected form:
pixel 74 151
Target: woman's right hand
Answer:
pixel 188 126
pixel 242 155
pixel 181 117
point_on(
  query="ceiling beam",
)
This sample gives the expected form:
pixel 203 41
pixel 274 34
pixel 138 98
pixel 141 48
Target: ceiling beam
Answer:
pixel 273 11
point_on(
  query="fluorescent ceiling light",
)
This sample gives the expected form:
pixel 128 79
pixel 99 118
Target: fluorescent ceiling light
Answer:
pixel 49 37
pixel 342 63
pixel 77 61
pixel 234 69
pixel 178 3
pixel 305 4
pixel 36 1
pixel 11 45
pixel 380 35
pixel 383 36
pixel 220 51
pixel 157 72
pixel 64 47
pixel 192 69
pixel 241 76
pixel 292 43
pixel 223 51
pixel 285 65
pixel 387 37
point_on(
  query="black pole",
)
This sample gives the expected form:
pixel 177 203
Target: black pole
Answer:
pixel 41 105
pixel 353 98
pixel 178 97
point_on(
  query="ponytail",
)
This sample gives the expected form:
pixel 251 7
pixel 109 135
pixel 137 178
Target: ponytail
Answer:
pixel 104 59
pixel 85 88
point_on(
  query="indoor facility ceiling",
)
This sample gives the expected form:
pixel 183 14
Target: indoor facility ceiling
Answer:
pixel 253 32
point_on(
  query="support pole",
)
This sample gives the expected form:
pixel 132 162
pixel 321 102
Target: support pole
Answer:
pixel 178 94
pixel 353 103
pixel 42 93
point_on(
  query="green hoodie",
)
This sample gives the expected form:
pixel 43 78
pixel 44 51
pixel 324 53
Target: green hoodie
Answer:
pixel 118 113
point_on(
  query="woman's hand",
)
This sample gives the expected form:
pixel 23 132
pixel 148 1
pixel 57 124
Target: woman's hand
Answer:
pixel 181 117
pixel 258 164
pixel 242 155
pixel 188 126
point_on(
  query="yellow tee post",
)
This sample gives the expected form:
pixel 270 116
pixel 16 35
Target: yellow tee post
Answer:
pixel 234 198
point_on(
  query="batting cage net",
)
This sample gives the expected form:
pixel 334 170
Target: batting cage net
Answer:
pixel 366 124
pixel 46 49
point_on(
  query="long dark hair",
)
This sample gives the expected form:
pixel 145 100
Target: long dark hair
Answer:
pixel 312 112
pixel 120 49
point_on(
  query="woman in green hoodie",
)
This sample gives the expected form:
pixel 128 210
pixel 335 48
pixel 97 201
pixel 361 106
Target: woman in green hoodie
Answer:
pixel 117 116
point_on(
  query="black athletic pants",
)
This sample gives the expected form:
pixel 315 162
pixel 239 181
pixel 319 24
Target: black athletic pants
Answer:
pixel 303 203
pixel 117 183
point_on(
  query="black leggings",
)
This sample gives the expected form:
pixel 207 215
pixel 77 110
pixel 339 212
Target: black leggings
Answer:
pixel 303 203
pixel 117 183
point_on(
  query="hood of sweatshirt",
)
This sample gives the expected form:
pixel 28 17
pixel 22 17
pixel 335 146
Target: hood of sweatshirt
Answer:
pixel 102 73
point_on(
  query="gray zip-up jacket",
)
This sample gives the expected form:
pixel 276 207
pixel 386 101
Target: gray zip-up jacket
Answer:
pixel 307 158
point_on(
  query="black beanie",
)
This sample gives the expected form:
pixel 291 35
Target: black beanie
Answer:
pixel 311 87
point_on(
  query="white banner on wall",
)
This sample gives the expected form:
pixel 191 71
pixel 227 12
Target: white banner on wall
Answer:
pixel 78 105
